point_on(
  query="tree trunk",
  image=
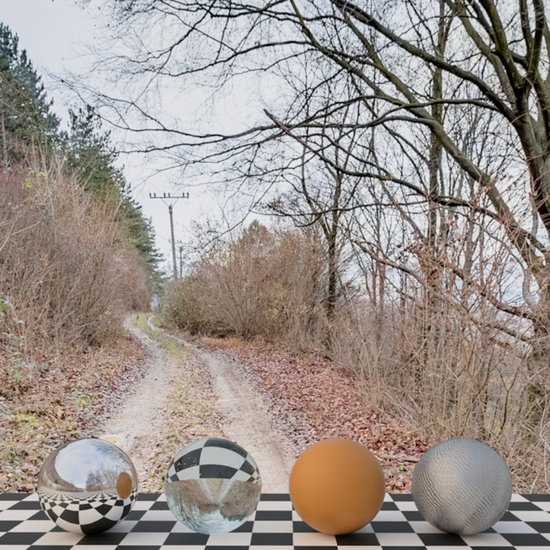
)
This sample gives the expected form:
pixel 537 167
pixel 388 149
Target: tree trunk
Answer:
pixel 4 142
pixel 332 278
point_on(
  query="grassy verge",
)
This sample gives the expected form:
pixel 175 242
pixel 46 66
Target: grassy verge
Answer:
pixel 140 321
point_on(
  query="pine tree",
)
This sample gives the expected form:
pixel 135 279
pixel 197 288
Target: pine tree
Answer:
pixel 26 119
pixel 91 155
pixel 25 111
pixel 140 234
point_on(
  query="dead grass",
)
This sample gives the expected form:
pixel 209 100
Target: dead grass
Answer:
pixel 429 354
pixel 66 276
pixel 446 377
pixel 66 281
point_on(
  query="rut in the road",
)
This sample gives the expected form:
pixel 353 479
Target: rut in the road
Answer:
pixel 248 422
pixel 137 424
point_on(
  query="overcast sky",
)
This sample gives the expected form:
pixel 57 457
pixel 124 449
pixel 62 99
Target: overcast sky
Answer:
pixel 54 33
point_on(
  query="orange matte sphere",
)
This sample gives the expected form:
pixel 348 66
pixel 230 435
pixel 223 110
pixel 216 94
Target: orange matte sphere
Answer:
pixel 337 486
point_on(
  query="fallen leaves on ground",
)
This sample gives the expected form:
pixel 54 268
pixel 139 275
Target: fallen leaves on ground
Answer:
pixel 63 402
pixel 313 398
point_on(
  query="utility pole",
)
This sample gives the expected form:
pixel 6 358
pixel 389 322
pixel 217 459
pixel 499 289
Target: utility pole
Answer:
pixel 181 261
pixel 164 198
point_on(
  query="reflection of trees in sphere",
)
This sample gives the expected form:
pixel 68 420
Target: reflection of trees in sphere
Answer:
pixel 462 486
pixel 212 486
pixel 87 486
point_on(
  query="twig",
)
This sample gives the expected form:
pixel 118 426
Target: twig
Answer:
pixel 399 458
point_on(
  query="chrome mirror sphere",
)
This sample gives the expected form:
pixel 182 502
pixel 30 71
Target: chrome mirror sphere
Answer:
pixel 87 486
pixel 212 486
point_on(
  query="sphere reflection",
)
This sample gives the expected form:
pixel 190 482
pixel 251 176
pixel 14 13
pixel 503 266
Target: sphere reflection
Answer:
pixel 212 486
pixel 87 486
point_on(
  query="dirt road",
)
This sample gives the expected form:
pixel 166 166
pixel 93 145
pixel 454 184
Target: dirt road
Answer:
pixel 228 400
pixel 138 423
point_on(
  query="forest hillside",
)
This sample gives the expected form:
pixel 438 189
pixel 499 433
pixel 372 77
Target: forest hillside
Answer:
pixel 401 154
pixel 76 255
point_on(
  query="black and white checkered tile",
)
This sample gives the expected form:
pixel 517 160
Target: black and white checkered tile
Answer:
pixel 86 513
pixel 213 458
pixel 274 526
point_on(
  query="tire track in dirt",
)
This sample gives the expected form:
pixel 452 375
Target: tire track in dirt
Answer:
pixel 248 422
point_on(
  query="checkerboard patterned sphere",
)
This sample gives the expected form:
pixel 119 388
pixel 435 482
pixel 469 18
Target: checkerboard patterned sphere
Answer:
pixel 212 486
pixel 462 486
pixel 87 486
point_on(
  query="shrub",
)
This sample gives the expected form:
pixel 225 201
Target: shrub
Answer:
pixel 259 284
pixel 64 271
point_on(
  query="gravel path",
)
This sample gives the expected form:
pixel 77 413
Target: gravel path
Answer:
pixel 234 408
pixel 137 425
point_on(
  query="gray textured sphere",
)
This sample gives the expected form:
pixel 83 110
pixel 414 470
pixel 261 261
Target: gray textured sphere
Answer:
pixel 87 486
pixel 212 486
pixel 462 486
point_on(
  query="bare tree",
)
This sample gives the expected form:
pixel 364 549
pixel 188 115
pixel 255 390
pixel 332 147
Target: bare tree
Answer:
pixel 434 78
pixel 320 192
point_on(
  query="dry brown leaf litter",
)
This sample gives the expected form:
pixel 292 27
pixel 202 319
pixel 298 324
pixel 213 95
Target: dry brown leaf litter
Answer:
pixel 314 399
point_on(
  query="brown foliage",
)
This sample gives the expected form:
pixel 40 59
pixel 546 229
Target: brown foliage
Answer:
pixel 445 376
pixel 261 284
pixel 65 275
pixel 432 357
pixel 62 401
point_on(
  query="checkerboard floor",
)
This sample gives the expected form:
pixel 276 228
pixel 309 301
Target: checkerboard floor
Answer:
pixel 274 526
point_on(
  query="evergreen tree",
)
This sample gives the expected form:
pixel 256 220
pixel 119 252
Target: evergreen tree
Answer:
pixel 91 155
pixel 26 118
pixel 25 111
pixel 140 234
